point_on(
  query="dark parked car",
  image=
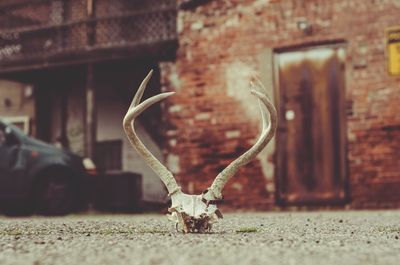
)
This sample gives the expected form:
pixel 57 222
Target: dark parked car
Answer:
pixel 36 177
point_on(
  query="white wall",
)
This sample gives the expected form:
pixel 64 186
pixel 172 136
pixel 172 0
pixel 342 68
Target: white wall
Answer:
pixel 110 112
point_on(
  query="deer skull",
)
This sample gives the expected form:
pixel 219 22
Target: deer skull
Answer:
pixel 197 213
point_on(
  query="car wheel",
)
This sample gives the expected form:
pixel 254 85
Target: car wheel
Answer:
pixel 54 194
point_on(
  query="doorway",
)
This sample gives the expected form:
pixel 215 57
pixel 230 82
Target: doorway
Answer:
pixel 311 138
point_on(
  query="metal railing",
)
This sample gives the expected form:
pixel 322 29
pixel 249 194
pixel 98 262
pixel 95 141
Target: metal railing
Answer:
pixel 43 29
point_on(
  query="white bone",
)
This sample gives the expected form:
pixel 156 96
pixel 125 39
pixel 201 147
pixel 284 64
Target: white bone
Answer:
pixel 196 213
pixel 268 130
pixel 134 110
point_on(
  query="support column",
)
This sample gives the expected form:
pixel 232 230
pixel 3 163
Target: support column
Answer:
pixel 64 118
pixel 90 113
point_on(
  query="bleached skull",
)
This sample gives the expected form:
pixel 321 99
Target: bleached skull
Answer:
pixel 197 213
pixel 192 214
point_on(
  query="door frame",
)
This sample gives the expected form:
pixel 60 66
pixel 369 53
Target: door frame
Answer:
pixel 281 136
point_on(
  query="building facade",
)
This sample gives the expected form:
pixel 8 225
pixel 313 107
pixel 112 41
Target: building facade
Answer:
pixel 325 65
pixel 81 60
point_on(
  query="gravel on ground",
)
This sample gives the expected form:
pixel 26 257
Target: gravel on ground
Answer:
pixel 331 237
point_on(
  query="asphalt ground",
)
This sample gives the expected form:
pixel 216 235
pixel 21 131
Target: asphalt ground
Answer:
pixel 339 237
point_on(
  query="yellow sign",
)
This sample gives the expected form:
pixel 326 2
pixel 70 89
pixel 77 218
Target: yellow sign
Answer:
pixel 393 50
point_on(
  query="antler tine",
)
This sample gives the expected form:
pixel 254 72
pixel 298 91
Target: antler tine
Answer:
pixel 128 123
pixel 214 192
pixel 140 91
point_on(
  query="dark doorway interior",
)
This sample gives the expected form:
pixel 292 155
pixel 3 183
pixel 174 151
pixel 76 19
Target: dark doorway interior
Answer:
pixel 49 84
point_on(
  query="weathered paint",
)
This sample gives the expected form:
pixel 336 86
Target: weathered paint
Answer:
pixel 312 154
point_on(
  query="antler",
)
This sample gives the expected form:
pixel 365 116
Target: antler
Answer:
pixel 134 110
pixel 196 213
pixel 214 192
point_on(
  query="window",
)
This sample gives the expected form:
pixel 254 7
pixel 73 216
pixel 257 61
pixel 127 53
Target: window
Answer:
pixel 108 155
pixel 22 122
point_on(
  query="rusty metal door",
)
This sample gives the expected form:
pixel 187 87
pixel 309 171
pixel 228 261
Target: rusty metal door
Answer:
pixel 311 142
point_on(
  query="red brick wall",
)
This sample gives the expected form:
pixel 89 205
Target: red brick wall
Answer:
pixel 220 44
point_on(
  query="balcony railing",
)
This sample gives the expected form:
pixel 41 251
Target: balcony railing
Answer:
pixel 39 32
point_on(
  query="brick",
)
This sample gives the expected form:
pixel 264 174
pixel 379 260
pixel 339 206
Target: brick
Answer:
pixel 220 43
